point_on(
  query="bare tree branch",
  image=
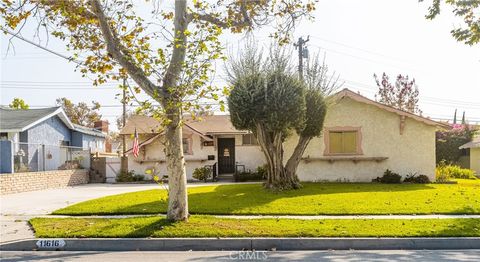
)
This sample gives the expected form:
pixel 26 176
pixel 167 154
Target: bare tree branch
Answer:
pixel 114 47
pixel 247 21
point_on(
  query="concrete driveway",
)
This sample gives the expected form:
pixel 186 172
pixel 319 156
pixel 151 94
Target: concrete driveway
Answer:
pixel 17 209
pixel 46 201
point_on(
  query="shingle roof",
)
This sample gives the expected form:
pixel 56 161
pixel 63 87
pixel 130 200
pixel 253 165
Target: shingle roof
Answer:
pixel 18 120
pixel 88 131
pixel 206 125
pixel 214 124
pixel 472 144
pixel 143 124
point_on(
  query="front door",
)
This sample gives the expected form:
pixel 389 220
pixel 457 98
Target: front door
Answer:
pixel 226 155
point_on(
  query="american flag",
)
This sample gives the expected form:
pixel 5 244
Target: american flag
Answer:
pixel 136 147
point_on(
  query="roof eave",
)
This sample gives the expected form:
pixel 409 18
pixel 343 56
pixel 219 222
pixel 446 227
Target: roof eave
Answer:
pixel 62 116
pixel 359 98
pixel 90 133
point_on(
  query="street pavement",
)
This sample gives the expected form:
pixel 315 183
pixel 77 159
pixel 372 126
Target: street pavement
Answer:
pixel 331 255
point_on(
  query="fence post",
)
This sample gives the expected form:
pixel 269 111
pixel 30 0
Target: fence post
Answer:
pixel 7 165
pixel 37 151
pixel 43 157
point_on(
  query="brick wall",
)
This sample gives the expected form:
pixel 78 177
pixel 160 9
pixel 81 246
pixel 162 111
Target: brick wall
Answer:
pixel 31 181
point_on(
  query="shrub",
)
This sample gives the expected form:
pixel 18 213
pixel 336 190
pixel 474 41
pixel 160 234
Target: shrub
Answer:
pixel 129 176
pixel 416 179
pixel 452 171
pixel 389 177
pixel 202 173
pixel 448 143
pixel 247 176
pixel 440 176
pixel 422 179
pixel 262 171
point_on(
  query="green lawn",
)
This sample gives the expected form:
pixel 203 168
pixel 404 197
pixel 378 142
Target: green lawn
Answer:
pixel 312 199
pixel 207 226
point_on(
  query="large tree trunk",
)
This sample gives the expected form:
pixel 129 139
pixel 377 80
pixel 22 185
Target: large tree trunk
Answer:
pixel 177 179
pixel 296 157
pixel 272 147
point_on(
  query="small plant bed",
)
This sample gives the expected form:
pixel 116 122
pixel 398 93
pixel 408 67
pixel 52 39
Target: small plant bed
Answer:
pixel 445 173
pixel 206 226
pixel 130 177
pixel 312 199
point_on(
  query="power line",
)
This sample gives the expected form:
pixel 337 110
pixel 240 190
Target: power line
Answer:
pixel 366 59
pixel 41 47
pixel 61 88
pixel 351 84
pixel 360 49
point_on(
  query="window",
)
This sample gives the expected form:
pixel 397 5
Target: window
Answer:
pixel 465 152
pixel 343 141
pixel 249 139
pixel 3 136
pixel 187 146
pixel 64 143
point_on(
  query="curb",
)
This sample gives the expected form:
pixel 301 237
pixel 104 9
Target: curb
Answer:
pixel 217 244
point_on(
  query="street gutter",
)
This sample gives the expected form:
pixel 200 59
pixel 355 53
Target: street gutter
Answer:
pixel 217 244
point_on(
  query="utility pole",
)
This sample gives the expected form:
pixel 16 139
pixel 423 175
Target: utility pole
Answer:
pixel 124 116
pixel 124 160
pixel 302 53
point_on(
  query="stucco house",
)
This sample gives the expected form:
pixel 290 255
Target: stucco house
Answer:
pixel 473 148
pixel 46 129
pixel 361 139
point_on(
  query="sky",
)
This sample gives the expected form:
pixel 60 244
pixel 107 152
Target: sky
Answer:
pixel 358 39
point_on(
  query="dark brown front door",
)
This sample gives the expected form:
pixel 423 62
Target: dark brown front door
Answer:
pixel 226 155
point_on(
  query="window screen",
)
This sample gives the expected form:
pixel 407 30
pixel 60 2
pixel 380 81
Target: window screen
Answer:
pixel 186 145
pixel 343 142
pixel 249 139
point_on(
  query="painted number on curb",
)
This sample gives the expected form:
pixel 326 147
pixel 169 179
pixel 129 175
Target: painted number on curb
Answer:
pixel 50 243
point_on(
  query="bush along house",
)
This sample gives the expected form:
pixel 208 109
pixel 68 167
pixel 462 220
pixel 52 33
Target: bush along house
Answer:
pixel 44 139
pixel 361 139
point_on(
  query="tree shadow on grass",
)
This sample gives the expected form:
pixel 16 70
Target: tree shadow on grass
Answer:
pixel 460 227
pixel 149 229
pixel 246 199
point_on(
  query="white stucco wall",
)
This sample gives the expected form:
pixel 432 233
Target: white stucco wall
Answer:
pixel 413 151
pixel 250 156
pixel 475 159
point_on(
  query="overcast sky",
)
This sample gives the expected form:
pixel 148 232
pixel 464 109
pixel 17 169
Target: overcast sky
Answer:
pixel 359 38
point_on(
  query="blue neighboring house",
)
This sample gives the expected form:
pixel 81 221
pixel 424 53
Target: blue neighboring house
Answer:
pixel 24 132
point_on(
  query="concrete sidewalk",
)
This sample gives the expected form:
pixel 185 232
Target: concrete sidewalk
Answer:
pixel 320 217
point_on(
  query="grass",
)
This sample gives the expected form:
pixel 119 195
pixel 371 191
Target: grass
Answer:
pixel 207 226
pixel 312 199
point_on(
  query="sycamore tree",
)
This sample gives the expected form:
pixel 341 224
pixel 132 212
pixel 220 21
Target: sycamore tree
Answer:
pixel 269 99
pixel 18 103
pixel 81 113
pixel 468 11
pixel 168 48
pixel 403 94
